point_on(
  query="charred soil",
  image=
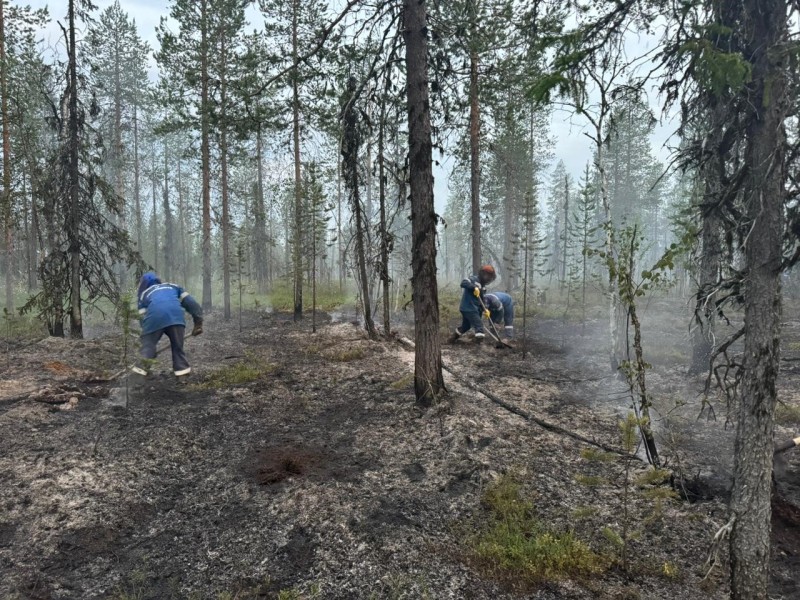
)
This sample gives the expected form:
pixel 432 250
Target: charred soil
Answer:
pixel 298 461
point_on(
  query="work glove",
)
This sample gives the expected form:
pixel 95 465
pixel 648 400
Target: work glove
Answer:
pixel 198 328
pixel 477 291
pixel 486 314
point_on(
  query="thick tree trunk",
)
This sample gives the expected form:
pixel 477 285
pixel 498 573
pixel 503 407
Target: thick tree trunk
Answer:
pixel 169 226
pixel 474 162
pixel 154 215
pixel 613 321
pixel 385 235
pixel 260 241
pixel 205 154
pixel 766 49
pixel 137 201
pixel 361 249
pixel 73 179
pixel 8 223
pixel 30 238
pixel 182 229
pixel 226 225
pixel 298 192
pixel 428 379
pixel 711 245
pixel 339 230
pixel 509 221
pixel 117 154
pixel 565 245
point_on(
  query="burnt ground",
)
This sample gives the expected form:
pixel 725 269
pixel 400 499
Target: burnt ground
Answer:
pixel 308 471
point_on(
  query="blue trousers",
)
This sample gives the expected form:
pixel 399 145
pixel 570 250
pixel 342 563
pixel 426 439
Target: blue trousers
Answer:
pixel 175 334
pixel 471 320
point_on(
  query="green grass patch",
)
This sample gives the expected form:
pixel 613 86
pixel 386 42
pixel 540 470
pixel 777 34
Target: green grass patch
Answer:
pixel 584 512
pixel 523 552
pixel 296 594
pixel 329 296
pixel 787 414
pixel 595 455
pixel 14 326
pixel 591 480
pixel 653 477
pixel 240 373
pixel 348 355
pixel 403 382
pixel 793 346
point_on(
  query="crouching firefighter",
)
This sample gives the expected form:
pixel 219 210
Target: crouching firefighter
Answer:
pixel 501 309
pixel 161 310
pixel 471 307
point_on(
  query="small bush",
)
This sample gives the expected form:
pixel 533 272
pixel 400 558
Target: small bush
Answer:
pixel 584 512
pixel 21 327
pixel 670 570
pixel 403 382
pixel 590 480
pixel 787 414
pixel 653 477
pixel 595 455
pixel 239 373
pixel 515 545
pixel 347 355
pixel 296 594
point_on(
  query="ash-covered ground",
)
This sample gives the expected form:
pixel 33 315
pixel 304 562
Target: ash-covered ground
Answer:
pixel 297 464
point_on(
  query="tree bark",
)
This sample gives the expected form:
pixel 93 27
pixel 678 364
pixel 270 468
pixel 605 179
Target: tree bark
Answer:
pixel 260 241
pixel 117 154
pixel 169 226
pixel 205 154
pixel 7 198
pixel 766 42
pixel 711 245
pixel 73 181
pixel 428 379
pixel 182 229
pixel 223 148
pixel 298 192
pixel 565 245
pixel 385 235
pixel 154 197
pixel 474 161
pixel 137 201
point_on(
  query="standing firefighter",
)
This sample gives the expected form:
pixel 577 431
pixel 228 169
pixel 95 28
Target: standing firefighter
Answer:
pixel 471 308
pixel 161 307
pixel 501 309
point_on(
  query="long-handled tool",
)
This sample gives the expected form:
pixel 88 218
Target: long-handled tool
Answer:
pixel 494 333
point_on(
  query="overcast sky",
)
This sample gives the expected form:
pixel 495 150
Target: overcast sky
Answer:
pixel 570 143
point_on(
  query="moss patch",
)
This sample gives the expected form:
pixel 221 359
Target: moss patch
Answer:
pixel 516 548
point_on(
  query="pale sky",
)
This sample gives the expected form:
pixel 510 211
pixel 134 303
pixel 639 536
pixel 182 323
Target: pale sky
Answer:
pixel 570 144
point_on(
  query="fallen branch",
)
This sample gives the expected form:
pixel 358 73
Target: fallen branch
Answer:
pixel 552 427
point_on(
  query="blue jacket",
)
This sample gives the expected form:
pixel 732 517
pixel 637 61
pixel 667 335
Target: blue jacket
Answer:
pixel 469 303
pixel 501 307
pixel 162 304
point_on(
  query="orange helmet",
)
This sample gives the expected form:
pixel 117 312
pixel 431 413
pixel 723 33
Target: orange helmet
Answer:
pixel 486 274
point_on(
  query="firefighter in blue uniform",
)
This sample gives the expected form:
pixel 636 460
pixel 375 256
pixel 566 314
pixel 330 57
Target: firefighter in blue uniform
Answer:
pixel 161 309
pixel 471 309
pixel 501 310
